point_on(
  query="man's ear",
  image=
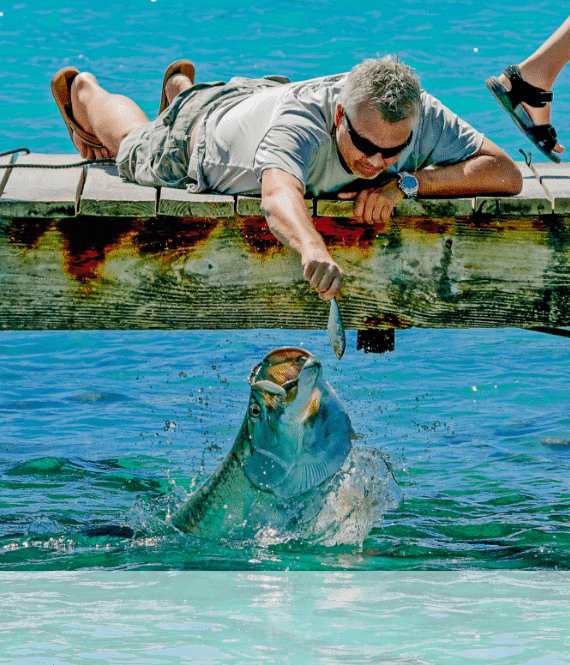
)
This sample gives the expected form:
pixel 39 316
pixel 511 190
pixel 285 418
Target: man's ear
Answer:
pixel 338 114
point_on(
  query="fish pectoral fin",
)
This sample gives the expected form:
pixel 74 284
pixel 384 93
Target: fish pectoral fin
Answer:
pixel 271 474
pixel 310 472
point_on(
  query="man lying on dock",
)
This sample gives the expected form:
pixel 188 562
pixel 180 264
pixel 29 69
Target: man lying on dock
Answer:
pixel 284 140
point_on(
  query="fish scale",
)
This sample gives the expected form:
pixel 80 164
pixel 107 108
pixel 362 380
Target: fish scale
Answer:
pixel 207 511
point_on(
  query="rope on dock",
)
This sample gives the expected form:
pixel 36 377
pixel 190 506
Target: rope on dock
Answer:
pixel 107 161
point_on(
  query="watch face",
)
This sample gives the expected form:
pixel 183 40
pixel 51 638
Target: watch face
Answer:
pixel 409 182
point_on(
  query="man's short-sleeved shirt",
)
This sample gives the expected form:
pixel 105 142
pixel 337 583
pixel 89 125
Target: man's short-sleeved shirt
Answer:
pixel 291 127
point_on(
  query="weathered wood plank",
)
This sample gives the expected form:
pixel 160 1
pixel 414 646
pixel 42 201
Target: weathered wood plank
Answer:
pixel 250 206
pixel 105 194
pixel 179 203
pixel 556 179
pixel 91 273
pixel 441 208
pixel 533 200
pixel 42 192
pixel 437 208
pixel 185 269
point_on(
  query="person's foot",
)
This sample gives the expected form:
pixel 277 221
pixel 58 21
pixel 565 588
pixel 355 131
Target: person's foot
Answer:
pixel 176 84
pixel 84 144
pixel 538 115
pixel 66 86
pixel 179 76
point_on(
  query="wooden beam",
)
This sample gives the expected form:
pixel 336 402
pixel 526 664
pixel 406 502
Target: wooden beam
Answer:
pixel 211 262
pixel 555 178
pixel 85 273
pixel 250 206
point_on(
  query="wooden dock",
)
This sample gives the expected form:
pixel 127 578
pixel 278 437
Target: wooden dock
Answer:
pixel 80 249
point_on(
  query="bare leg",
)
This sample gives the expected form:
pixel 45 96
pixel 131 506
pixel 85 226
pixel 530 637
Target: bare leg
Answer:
pixel 542 68
pixel 174 86
pixel 544 65
pixel 109 117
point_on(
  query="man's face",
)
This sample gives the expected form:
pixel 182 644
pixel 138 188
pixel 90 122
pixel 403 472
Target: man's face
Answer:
pixel 369 125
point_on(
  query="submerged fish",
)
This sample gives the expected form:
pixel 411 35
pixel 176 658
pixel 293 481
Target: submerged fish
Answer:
pixel 291 473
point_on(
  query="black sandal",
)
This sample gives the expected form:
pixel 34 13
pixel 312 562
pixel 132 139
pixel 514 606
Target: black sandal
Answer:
pixel 542 136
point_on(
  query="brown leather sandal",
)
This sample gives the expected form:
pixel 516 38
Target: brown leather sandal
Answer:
pixel 61 91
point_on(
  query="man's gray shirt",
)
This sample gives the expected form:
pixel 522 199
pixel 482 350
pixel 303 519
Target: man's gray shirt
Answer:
pixel 291 127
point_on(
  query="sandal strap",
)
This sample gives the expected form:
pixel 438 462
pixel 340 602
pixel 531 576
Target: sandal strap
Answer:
pixel 544 135
pixel 521 91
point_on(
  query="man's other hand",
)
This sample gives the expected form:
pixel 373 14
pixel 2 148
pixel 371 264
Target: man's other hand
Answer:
pixel 375 205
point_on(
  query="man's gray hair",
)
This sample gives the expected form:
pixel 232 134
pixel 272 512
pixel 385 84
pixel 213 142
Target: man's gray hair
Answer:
pixel 386 85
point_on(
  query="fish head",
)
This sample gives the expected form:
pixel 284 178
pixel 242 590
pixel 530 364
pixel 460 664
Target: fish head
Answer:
pixel 298 431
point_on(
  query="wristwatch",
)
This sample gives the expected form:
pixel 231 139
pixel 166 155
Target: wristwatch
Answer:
pixel 408 183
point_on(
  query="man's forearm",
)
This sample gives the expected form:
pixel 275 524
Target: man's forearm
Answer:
pixel 289 220
pixel 283 203
pixel 490 171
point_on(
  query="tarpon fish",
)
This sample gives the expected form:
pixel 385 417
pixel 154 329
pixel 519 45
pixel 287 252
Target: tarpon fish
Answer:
pixel 289 464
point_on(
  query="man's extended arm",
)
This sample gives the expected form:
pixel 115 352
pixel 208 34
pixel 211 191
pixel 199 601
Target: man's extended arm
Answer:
pixel 488 171
pixel 283 204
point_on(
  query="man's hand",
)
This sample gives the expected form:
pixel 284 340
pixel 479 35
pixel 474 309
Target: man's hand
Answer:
pixel 322 272
pixel 375 205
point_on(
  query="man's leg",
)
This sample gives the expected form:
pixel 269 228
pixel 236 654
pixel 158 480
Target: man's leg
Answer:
pixel 107 116
pixel 176 84
pixel 544 65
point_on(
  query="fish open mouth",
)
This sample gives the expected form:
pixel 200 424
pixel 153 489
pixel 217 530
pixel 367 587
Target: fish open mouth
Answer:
pixel 278 373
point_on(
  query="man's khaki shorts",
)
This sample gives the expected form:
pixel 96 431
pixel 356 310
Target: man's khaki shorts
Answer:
pixel 157 154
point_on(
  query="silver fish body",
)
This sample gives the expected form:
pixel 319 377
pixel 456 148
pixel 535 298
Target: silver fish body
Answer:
pixel 335 328
pixel 291 455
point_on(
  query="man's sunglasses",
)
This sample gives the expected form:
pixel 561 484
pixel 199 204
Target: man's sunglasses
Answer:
pixel 369 148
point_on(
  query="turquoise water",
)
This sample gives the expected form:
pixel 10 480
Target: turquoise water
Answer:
pixel 113 428
pixel 453 44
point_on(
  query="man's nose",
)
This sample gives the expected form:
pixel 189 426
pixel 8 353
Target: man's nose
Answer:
pixel 378 162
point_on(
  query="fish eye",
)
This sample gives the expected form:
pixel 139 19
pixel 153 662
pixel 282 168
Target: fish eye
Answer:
pixel 254 410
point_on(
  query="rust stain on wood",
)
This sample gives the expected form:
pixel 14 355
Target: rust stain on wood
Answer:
pixel 347 233
pixel 86 246
pixel 27 232
pixel 173 233
pixel 257 236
